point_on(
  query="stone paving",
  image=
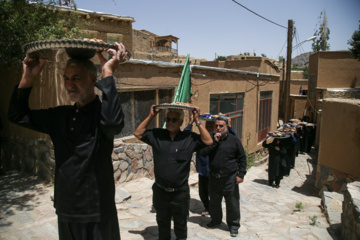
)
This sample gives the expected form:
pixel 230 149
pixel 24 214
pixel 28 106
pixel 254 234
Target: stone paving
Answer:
pixel 289 212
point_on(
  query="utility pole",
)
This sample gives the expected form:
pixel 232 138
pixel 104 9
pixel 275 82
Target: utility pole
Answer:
pixel 283 87
pixel 288 69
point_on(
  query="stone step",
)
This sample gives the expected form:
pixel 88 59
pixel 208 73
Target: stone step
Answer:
pixel 331 204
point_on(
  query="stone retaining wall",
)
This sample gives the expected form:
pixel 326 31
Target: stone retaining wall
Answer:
pixel 350 217
pixel 30 155
pixel 36 156
pixel 328 179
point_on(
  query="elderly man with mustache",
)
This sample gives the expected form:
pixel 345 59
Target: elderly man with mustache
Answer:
pixel 82 135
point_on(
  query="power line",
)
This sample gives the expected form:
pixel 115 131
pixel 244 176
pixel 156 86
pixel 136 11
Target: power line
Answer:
pixel 281 50
pixel 259 15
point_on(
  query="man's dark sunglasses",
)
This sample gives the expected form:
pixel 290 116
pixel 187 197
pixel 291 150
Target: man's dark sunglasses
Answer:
pixel 221 126
pixel 173 120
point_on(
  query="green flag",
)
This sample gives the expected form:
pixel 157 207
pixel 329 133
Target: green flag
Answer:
pixel 184 89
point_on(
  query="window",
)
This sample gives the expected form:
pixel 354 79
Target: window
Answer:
pixel 114 37
pixel 136 107
pixel 230 104
pixel 88 34
pixel 264 114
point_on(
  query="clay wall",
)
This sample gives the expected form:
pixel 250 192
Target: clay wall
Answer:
pixel 205 81
pixel 141 41
pixel 335 69
pixel 339 149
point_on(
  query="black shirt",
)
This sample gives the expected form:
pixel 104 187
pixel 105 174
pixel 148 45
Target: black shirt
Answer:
pixel 172 157
pixel 226 156
pixel 83 143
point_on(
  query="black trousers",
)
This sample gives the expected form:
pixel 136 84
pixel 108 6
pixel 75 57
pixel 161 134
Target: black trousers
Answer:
pixel 171 204
pixel 277 180
pixel 227 188
pixel 89 231
pixel 204 191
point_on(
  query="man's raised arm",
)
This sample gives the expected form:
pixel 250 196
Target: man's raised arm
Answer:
pixel 141 129
pixel 204 134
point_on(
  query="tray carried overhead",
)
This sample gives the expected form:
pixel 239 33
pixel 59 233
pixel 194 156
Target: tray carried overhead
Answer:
pixel 75 48
pixel 208 117
pixel 175 106
pixel 282 136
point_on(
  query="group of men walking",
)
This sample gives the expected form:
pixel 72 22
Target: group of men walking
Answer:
pixel 221 162
pixel 283 150
pixel 82 135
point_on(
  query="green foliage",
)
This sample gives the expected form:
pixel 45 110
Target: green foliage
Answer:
pixel 322 35
pixel 354 42
pixel 313 220
pixel 299 206
pixel 21 22
pixel 220 58
pixel 250 158
pixel 263 55
pixel 281 58
pixel 306 72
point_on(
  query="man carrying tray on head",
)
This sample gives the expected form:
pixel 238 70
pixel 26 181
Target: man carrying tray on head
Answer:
pixel 82 136
pixel 172 151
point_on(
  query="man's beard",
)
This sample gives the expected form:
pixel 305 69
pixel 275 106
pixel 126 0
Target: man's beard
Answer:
pixel 224 132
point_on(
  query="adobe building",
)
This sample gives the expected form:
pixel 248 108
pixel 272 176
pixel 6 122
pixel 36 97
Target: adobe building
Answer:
pixel 246 63
pixel 333 98
pixel 297 98
pixel 249 98
pixel 332 74
pixel 339 149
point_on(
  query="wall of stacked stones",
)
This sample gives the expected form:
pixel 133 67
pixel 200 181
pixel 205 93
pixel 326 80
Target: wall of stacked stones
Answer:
pixel 36 156
pixel 328 179
pixel 350 217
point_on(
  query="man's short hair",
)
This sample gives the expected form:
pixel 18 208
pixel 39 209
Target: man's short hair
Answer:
pixel 88 65
pixel 223 118
pixel 179 111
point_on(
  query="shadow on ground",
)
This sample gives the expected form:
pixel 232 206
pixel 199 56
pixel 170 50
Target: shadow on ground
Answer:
pixel 148 233
pixel 18 191
pixel 262 181
pixel 308 188
pixel 196 206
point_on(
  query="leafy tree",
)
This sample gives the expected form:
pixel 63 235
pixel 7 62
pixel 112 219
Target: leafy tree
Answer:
pixel 263 55
pixel 322 35
pixel 21 22
pixel 220 58
pixel 354 42
pixel 281 58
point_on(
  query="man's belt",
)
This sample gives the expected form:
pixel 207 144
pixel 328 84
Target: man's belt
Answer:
pixel 167 189
pixel 221 175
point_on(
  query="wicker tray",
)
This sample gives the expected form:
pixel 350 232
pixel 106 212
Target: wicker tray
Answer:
pixel 75 48
pixel 174 106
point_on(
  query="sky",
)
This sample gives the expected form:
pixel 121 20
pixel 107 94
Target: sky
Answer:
pixel 209 28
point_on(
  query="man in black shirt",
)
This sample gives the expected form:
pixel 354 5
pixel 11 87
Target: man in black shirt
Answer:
pixel 82 136
pixel 227 170
pixel 172 152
